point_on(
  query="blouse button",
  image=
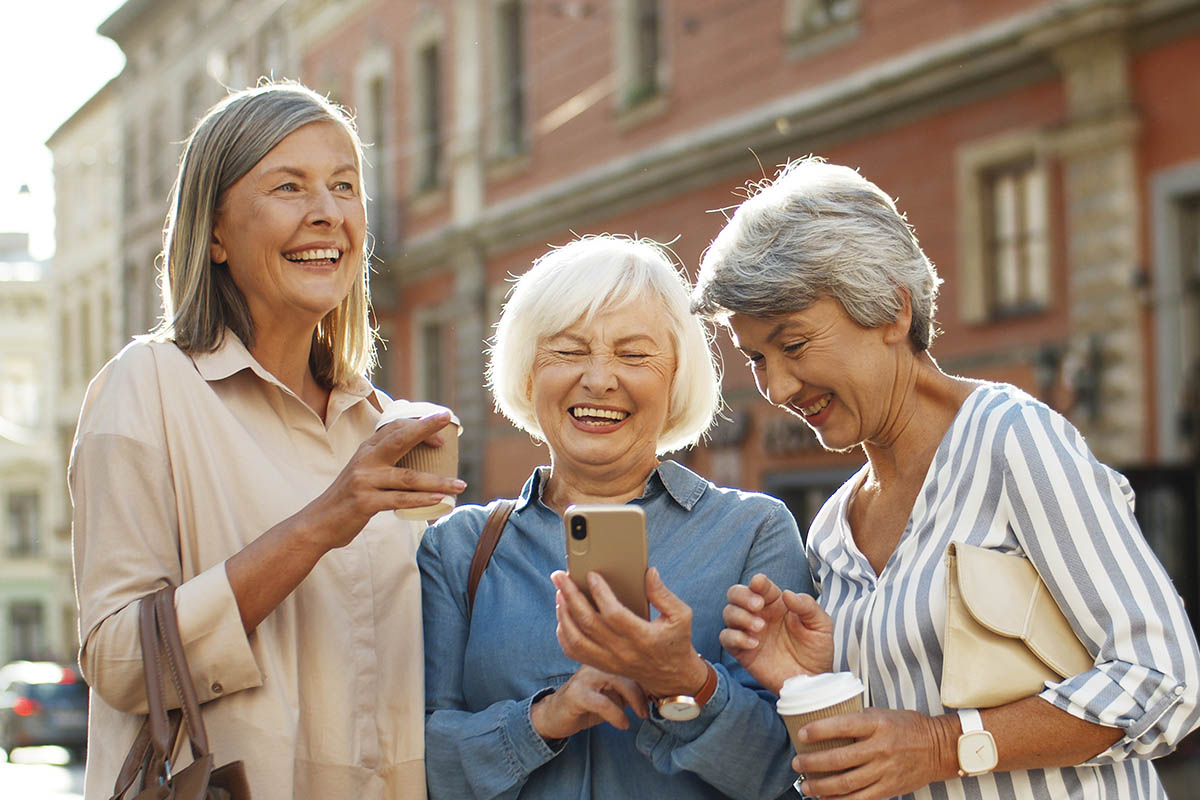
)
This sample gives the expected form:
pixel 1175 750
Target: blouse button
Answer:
pixel 217 688
pixel 1178 691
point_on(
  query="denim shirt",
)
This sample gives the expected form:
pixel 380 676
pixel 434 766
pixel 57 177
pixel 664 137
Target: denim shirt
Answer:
pixel 483 672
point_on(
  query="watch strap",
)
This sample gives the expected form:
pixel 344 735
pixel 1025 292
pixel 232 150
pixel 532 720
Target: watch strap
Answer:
pixel 710 685
pixel 971 719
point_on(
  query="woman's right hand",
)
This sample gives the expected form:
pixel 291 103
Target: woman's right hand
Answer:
pixel 371 482
pixel 268 569
pixel 776 634
pixel 588 698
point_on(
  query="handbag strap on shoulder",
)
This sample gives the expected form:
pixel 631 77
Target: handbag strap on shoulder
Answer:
pixel 488 539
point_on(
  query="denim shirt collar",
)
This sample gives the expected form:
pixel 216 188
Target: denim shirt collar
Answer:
pixel 680 484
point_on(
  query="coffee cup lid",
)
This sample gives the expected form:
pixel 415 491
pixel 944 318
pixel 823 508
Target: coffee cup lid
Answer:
pixel 803 693
pixel 410 409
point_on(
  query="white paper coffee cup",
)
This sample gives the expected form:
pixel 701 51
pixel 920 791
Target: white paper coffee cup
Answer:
pixel 807 698
pixel 424 458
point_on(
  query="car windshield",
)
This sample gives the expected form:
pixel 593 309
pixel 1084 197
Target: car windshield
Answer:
pixel 58 695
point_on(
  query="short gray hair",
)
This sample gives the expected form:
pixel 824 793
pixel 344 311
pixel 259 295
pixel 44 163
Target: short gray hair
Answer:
pixel 573 284
pixel 819 230
pixel 200 299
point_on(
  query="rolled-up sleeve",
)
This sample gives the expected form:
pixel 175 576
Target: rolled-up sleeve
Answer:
pixel 481 754
pixel 126 545
pixel 1074 518
pixel 738 744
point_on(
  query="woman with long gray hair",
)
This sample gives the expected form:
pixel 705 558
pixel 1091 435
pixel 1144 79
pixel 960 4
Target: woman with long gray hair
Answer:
pixel 827 293
pixel 233 454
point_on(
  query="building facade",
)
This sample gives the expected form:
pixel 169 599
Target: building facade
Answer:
pixel 1044 151
pixel 37 603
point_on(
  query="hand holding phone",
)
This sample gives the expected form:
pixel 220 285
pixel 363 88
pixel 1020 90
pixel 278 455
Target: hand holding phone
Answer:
pixel 610 540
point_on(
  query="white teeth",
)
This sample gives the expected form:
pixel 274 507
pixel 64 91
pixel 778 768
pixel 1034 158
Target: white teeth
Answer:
pixel 319 254
pixel 590 414
pixel 808 411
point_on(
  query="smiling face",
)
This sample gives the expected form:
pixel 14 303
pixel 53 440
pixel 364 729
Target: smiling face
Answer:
pixel 825 368
pixel 291 229
pixel 601 390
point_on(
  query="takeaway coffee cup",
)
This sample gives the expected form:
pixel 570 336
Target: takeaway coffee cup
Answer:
pixel 807 698
pixel 424 458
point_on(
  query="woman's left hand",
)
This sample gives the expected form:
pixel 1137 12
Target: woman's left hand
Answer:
pixel 657 654
pixel 897 752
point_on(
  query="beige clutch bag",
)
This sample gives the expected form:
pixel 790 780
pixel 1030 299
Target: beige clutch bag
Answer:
pixel 1005 635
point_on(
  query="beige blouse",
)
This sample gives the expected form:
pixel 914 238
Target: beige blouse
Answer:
pixel 178 463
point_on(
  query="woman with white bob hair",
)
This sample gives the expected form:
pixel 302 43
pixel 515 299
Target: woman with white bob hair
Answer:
pixel 829 296
pixel 597 355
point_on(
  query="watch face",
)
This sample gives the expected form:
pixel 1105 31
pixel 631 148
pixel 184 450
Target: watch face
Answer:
pixel 976 752
pixel 678 709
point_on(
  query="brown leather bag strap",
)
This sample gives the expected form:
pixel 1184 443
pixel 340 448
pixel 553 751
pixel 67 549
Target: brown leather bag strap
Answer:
pixel 181 676
pixel 486 545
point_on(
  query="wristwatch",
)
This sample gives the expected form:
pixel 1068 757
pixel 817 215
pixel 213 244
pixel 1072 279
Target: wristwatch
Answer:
pixel 684 707
pixel 976 747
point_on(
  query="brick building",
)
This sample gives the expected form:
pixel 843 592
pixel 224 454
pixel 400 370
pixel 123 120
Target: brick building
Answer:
pixel 1045 152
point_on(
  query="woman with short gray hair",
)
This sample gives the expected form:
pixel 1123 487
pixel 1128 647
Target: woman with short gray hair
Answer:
pixel 825 290
pixel 233 454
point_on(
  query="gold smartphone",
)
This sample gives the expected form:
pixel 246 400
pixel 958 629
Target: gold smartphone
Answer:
pixel 611 540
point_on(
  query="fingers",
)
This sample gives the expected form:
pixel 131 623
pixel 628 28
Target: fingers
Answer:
pixel 737 641
pixel 397 438
pixel 763 586
pixel 662 598
pixel 410 480
pixel 630 695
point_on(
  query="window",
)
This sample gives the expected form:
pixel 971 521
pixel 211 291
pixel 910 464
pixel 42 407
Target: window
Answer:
pixel 1004 227
pixel 26 628
pixel 87 342
pixel 433 341
pixel 129 170
pixel 815 25
pixel 510 76
pixel 639 56
pixel 23 514
pixel 373 90
pixel 19 401
pixel 161 150
pixel 1015 248
pixel 428 166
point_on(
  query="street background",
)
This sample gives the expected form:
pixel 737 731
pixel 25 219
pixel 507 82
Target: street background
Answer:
pixel 1044 150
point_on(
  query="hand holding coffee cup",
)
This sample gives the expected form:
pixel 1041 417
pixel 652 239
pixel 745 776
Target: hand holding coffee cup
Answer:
pixel 441 460
pixel 807 698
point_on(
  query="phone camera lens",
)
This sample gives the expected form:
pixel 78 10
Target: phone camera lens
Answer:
pixel 578 528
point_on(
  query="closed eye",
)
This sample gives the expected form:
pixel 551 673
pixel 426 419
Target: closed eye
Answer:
pixel 794 348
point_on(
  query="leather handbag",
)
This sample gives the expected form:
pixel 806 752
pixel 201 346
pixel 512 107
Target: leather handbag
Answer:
pixel 1005 636
pixel 149 763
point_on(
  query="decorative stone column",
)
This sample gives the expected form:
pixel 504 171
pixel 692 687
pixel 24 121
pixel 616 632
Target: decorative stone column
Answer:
pixel 468 305
pixel 1096 149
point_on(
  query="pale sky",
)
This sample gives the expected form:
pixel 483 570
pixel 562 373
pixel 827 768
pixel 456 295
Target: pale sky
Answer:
pixel 52 61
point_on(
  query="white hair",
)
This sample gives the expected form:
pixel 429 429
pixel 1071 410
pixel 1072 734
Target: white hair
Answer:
pixel 571 285
pixel 819 230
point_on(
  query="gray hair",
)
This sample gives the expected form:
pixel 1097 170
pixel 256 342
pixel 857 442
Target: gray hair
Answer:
pixel 573 284
pixel 819 230
pixel 200 299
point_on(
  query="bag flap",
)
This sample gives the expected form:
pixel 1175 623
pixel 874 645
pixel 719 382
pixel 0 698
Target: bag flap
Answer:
pixel 1052 639
pixel 1005 594
pixel 996 588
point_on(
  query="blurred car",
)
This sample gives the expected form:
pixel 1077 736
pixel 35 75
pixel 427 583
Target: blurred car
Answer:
pixel 42 703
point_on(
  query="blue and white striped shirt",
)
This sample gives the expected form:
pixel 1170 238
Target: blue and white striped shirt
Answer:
pixel 1015 476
